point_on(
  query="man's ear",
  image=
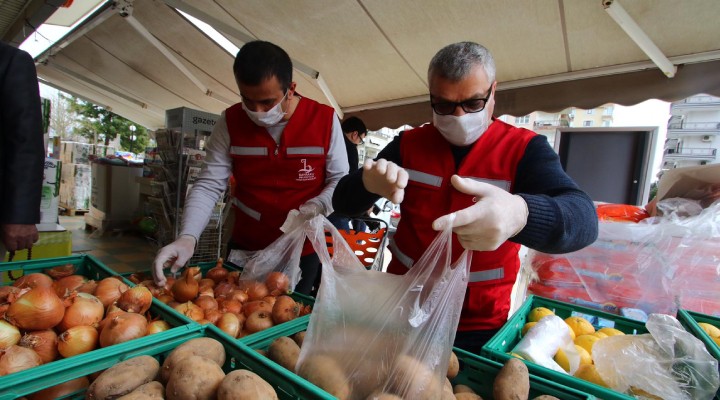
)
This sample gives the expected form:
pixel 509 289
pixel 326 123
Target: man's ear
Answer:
pixel 291 90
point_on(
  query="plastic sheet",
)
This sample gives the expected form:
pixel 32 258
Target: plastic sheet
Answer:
pixel 668 362
pixel 383 333
pixel 621 213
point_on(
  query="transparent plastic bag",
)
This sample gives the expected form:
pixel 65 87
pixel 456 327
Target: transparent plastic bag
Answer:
pixel 544 339
pixel 668 362
pixel 376 332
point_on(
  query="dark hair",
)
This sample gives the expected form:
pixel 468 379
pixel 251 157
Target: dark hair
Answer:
pixel 259 60
pixel 353 124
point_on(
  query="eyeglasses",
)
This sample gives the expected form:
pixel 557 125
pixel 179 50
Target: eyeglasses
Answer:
pixel 469 106
pixel 362 136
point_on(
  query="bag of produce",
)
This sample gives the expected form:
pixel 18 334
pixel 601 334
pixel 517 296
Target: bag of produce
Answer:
pixel 372 333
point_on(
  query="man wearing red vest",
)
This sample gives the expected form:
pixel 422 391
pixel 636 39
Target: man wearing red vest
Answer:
pixel 505 185
pixel 284 151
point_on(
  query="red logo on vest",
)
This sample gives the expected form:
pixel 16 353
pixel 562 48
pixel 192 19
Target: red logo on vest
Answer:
pixel 306 173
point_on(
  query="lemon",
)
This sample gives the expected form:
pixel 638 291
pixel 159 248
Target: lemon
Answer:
pixel 516 355
pixel 538 313
pixel 580 326
pixel 527 327
pixel 611 331
pixel 711 330
pixel 643 394
pixel 601 335
pixel 590 374
pixel 716 340
pixel 586 342
pixel 572 332
pixel 585 357
pixel 562 360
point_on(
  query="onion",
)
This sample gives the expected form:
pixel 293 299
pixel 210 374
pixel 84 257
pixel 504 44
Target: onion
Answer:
pixel 157 327
pixel 206 291
pixel 16 358
pixel 64 286
pixel 258 321
pixel 206 303
pixel 36 310
pixel 166 298
pixel 224 289
pixel 213 315
pixel 169 282
pixel 229 323
pixel 195 272
pixel 233 277
pixel 270 300
pixel 257 305
pixel 137 300
pixel 3 310
pixel 277 283
pixel 61 271
pixel 232 306
pixel 33 280
pixel 190 310
pixel 218 273
pixel 285 309
pixel 77 340
pixel 257 290
pixel 136 278
pixel 9 334
pixel 205 283
pixel 85 309
pixel 88 287
pixel 109 290
pixel 304 310
pixel 45 344
pixel 61 390
pixel 113 308
pixel 9 294
pixel 239 295
pixel 123 327
pixel 186 288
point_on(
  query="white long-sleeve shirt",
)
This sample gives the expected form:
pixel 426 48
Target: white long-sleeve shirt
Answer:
pixel 213 177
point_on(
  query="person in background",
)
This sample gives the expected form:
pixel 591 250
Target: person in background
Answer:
pixel 504 184
pixel 354 133
pixel 22 155
pixel 284 151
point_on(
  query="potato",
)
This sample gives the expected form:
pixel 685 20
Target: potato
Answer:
pixel 299 338
pixel 150 391
pixel 194 378
pixel 383 396
pixel 326 373
pixel 206 347
pixel 261 352
pixel 447 391
pixel 245 385
pixel 512 382
pixel 285 352
pixel 124 377
pixel 467 396
pixel 453 366
pixel 412 379
pixel 546 397
pixel 462 389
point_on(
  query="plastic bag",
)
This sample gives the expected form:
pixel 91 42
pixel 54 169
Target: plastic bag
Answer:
pixel 668 362
pixel 382 333
pixel 282 255
pixel 544 339
pixel 621 213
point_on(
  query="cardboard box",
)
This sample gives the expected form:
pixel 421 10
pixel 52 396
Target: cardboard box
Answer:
pixel 75 186
pixel 50 191
pixel 75 153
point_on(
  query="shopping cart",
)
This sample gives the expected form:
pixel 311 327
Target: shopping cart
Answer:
pixel 368 246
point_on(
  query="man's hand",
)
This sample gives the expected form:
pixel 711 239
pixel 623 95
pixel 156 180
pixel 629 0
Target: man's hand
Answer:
pixel 310 209
pixel 495 217
pixel 174 255
pixel 19 236
pixel 385 178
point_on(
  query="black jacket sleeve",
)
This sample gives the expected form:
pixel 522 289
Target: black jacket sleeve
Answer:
pixel 21 138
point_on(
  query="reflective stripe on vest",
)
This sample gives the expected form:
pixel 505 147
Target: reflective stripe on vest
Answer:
pixel 502 184
pixel 309 150
pixel 248 151
pixel 247 210
pixel 402 257
pixel 423 177
pixel 487 275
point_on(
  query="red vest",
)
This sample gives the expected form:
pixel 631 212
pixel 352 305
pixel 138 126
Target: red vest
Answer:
pixel 273 179
pixel 428 159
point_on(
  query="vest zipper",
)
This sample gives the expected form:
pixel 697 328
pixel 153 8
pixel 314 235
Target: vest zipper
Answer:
pixel 277 149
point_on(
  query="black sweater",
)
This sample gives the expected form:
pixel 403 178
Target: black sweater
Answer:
pixel 561 218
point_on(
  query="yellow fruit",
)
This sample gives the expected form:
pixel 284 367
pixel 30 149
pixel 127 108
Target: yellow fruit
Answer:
pixel 516 355
pixel 611 331
pixel 586 342
pixel 527 327
pixel 643 394
pixel 600 335
pixel 538 313
pixel 562 360
pixel 590 374
pixel 716 340
pixel 572 332
pixel 711 330
pixel 580 326
pixel 585 357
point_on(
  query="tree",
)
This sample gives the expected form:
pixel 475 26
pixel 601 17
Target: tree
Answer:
pixel 62 119
pixel 98 124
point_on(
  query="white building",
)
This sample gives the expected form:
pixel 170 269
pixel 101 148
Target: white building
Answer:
pixel 375 141
pixel 693 132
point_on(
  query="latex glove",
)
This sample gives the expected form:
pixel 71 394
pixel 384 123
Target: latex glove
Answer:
pixel 385 178
pixel 19 236
pixel 175 255
pixel 494 218
pixel 310 209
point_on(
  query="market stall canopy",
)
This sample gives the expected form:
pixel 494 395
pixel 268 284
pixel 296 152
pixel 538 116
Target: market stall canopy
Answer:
pixel 369 57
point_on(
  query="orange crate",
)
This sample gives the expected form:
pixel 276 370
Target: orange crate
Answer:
pixel 368 246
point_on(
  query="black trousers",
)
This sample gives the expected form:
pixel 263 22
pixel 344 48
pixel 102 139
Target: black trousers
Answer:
pixel 311 271
pixel 473 341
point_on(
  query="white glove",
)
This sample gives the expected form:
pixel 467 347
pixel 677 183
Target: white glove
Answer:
pixel 174 255
pixel 494 218
pixel 310 209
pixel 385 178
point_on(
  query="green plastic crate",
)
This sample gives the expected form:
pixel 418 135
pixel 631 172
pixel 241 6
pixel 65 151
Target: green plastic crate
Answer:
pixel 498 347
pixel 288 386
pixel 479 373
pixel 689 320
pixel 43 376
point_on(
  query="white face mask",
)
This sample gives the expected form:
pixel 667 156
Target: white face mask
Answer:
pixel 266 118
pixel 463 130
